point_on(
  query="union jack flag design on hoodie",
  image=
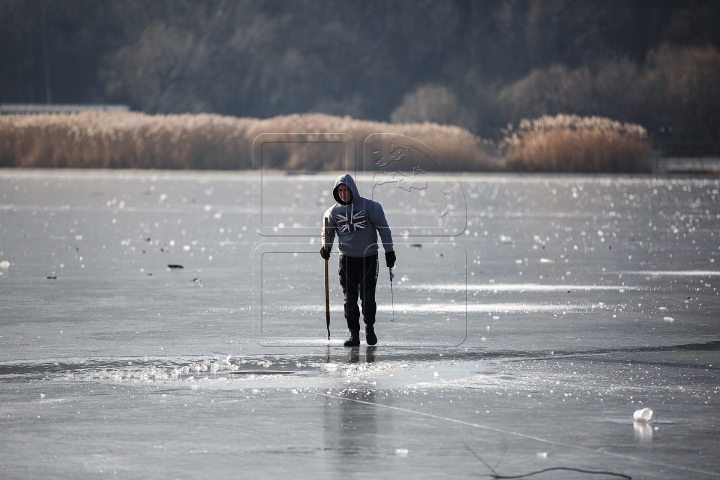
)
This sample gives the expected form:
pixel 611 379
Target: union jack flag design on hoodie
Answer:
pixel 356 221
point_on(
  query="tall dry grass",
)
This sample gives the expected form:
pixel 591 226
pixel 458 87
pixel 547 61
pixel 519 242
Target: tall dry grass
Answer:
pixel 569 143
pixel 137 140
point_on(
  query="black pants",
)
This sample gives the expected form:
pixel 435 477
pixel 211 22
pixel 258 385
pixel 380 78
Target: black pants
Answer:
pixel 358 278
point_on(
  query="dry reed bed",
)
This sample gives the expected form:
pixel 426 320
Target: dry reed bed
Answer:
pixel 137 140
pixel 569 143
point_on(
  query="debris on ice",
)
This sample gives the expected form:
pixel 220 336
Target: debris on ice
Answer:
pixel 643 415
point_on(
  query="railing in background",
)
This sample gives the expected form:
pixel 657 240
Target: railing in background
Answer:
pixel 686 165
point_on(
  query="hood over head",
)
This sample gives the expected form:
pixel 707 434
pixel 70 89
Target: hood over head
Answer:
pixel 348 181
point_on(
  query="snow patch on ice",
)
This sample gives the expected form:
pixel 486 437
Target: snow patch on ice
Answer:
pixel 461 308
pixel 518 287
pixel 679 273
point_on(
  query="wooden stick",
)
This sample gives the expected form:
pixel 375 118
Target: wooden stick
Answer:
pixel 327 285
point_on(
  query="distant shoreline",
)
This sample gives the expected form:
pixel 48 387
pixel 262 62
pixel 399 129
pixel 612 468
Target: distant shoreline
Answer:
pixel 205 142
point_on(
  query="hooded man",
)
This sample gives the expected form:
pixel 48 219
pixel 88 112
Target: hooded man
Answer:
pixel 357 222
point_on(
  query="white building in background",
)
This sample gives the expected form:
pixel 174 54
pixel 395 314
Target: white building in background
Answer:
pixel 36 108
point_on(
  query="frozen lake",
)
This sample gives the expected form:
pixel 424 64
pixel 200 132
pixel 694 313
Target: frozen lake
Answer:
pixel 532 316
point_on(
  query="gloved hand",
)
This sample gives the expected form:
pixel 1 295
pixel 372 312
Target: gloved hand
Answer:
pixel 325 253
pixel 390 259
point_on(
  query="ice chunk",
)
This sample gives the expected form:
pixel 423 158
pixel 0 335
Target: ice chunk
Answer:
pixel 669 319
pixel 402 452
pixel 4 264
pixel 643 415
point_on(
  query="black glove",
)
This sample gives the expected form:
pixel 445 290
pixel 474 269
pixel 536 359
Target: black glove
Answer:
pixel 325 253
pixel 390 259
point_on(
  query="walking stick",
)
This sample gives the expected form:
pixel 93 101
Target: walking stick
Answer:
pixel 392 296
pixel 327 287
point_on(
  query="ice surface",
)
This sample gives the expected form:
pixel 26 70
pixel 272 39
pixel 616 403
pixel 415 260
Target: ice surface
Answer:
pixel 122 367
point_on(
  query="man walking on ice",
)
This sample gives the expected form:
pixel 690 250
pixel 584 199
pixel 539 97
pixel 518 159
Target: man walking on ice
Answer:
pixel 357 222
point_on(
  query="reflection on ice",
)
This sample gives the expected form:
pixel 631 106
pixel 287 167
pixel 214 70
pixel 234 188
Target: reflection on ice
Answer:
pixel 643 432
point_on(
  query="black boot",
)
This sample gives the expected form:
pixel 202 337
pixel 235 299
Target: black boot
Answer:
pixel 370 335
pixel 354 339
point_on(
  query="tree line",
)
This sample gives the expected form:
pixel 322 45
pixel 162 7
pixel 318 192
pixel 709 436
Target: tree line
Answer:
pixel 479 64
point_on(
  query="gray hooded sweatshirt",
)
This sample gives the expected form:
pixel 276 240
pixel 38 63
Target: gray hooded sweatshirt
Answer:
pixel 357 223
